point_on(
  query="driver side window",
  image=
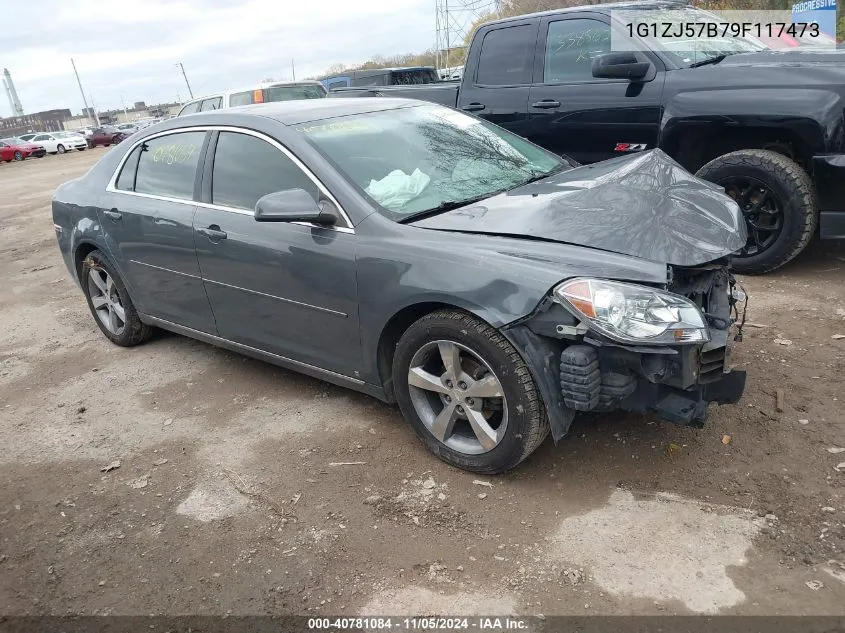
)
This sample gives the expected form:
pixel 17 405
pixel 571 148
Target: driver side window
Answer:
pixel 247 168
pixel 571 46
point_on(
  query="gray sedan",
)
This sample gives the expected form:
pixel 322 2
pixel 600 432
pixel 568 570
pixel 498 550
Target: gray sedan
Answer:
pixel 422 256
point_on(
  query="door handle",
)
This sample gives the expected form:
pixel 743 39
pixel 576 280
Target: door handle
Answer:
pixel 473 107
pixel 213 233
pixel 113 215
pixel 546 104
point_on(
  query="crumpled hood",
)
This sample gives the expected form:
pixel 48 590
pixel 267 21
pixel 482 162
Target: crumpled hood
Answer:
pixel 801 56
pixel 645 205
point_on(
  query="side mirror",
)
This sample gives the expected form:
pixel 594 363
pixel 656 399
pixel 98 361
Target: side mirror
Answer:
pixel 294 205
pixel 619 66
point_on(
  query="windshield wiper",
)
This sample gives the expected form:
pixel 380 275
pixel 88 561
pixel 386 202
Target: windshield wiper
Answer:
pixel 709 60
pixel 535 176
pixel 448 205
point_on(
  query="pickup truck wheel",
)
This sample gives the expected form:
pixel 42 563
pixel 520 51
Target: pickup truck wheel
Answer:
pixel 467 393
pixel 776 198
pixel 109 302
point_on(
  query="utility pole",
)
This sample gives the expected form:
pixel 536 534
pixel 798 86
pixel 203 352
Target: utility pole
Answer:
pixel 81 91
pixel 182 68
pixel 94 108
pixel 125 113
pixel 293 70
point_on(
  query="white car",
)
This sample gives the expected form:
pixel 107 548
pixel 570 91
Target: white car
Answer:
pixel 60 142
pixel 263 93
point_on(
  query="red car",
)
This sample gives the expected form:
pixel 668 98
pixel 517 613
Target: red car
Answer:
pixel 105 135
pixel 16 149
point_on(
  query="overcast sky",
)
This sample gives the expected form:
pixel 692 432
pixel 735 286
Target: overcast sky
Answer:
pixel 129 48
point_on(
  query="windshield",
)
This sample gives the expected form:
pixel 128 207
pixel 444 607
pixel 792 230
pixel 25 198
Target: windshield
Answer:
pixel 413 160
pixel 691 50
pixel 64 134
pixel 292 93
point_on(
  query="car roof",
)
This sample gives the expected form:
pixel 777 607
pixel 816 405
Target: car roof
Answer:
pixel 604 8
pixel 302 111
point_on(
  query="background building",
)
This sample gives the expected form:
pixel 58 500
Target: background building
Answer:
pixel 47 121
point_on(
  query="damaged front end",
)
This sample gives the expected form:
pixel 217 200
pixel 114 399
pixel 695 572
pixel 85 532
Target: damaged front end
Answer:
pixel 600 345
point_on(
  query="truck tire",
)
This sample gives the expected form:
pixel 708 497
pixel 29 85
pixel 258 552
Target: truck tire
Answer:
pixel 777 199
pixel 467 393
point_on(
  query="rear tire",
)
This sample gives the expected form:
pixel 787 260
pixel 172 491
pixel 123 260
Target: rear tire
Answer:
pixel 109 302
pixel 512 421
pixel 791 191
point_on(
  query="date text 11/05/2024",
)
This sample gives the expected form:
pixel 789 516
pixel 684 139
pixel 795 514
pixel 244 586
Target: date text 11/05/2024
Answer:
pixel 424 623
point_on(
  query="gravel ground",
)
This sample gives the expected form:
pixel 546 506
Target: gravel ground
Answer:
pixel 178 478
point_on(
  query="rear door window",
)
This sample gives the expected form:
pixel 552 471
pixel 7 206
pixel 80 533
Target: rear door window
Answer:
pixel 167 165
pixel 507 56
pixel 211 104
pixel 191 108
pixel 247 168
pixel 126 179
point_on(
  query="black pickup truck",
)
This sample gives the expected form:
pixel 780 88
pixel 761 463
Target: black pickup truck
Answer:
pixel 767 125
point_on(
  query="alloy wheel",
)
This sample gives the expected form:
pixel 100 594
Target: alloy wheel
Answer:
pixel 18 156
pixel 106 300
pixel 60 149
pixel 458 397
pixel 761 209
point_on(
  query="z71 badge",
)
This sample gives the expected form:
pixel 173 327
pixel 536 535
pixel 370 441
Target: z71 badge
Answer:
pixel 630 147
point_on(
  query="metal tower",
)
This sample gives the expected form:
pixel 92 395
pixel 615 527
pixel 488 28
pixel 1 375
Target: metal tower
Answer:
pixel 454 20
pixel 12 94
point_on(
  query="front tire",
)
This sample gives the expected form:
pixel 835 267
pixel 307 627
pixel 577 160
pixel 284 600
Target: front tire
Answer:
pixel 110 304
pixel 777 199
pixel 18 156
pixel 60 149
pixel 467 393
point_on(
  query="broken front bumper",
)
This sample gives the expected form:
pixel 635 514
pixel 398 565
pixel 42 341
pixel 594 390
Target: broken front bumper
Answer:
pixel 577 369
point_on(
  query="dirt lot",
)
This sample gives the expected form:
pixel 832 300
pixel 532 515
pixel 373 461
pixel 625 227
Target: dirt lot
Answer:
pixel 226 499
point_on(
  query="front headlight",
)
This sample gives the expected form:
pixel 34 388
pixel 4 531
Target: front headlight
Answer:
pixel 634 314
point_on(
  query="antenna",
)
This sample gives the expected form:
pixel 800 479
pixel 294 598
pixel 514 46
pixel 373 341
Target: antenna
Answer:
pixel 453 21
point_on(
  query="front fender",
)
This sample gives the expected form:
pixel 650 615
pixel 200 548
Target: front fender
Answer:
pixel 809 117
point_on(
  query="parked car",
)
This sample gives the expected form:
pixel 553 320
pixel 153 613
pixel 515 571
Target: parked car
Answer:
pixel 265 93
pixel 17 149
pixel 733 112
pixel 420 255
pixel 60 142
pixel 128 128
pixel 105 136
